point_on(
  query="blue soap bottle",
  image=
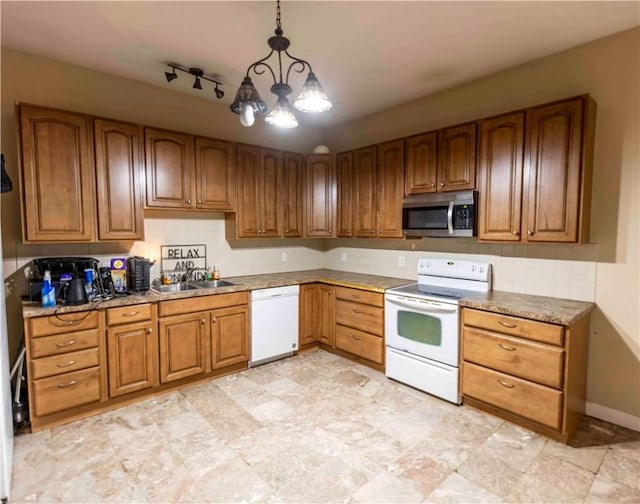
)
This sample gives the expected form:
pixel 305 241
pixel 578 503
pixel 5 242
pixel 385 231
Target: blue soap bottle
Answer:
pixel 48 291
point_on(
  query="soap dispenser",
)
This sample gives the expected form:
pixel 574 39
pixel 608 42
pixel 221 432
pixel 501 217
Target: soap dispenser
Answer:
pixel 48 291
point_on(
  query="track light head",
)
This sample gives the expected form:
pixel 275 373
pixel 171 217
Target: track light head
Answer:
pixel 196 84
pixel 171 76
pixel 219 93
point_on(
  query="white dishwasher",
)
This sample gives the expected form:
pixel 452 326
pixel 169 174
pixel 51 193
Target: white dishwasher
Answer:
pixel 274 323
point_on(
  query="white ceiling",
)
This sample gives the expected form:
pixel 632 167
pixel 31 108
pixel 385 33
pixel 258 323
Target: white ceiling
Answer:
pixel 368 55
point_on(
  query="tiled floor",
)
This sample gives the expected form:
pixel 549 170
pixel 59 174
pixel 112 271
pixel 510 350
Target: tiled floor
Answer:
pixel 317 428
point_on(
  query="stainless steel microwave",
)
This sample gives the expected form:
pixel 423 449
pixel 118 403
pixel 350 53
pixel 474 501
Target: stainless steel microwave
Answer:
pixel 450 214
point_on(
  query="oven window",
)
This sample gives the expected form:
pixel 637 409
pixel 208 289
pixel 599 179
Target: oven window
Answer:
pixel 420 328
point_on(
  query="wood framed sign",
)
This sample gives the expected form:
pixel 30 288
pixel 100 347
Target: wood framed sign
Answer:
pixel 177 260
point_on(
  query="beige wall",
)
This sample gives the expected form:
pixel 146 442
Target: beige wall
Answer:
pixel 607 271
pixel 609 70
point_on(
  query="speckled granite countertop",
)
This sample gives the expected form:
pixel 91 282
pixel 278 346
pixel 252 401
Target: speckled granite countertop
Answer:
pixel 243 283
pixel 546 309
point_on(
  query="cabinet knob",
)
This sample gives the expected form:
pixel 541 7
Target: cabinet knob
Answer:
pixel 433 185
pixel 286 230
pixel 199 202
pixel 213 320
pixel 329 230
pixel 203 321
pixel 441 184
pixel 188 202
pixel 515 233
pixel 530 233
pixel 149 330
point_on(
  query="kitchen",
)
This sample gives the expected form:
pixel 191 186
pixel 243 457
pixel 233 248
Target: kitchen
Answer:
pixel 604 271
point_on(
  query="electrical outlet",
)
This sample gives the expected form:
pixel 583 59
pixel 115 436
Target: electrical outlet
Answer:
pixel 401 261
pixel 284 257
pixel 343 257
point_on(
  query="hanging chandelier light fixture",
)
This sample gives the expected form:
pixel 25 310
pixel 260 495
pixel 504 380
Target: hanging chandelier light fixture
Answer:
pixel 248 103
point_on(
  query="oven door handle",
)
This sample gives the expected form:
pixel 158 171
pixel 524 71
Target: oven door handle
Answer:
pixel 450 218
pixel 423 305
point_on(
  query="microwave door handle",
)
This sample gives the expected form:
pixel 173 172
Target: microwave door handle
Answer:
pixel 423 305
pixel 450 218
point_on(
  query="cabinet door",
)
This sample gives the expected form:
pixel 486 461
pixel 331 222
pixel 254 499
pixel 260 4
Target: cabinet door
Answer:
pixel 57 175
pixel 422 163
pixel 132 358
pixel 555 167
pixel 390 189
pixel 327 314
pixel 215 174
pixel 308 314
pixel 364 192
pixel 169 168
pixel 118 180
pixel 248 213
pixel 229 336
pixel 500 177
pixel 293 194
pixel 457 158
pixel 270 202
pixel 182 346
pixel 344 175
pixel 320 182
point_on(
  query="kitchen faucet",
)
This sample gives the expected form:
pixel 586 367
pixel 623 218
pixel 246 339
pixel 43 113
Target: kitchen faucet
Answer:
pixel 188 274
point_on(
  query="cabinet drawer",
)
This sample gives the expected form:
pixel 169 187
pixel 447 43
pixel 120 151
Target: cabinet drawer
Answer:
pixel 360 296
pixel 201 303
pixel 515 326
pixel 61 343
pixel 58 364
pixel 66 391
pixel 523 358
pixel 63 323
pixel 363 317
pixel 527 399
pixel 126 314
pixel 360 343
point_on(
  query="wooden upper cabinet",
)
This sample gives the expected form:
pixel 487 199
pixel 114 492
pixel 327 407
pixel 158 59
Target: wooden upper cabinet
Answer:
pixel 421 164
pixel 320 195
pixel 292 177
pixel 169 169
pixel 344 210
pixel 118 180
pixel 215 180
pixel 248 213
pixel 269 190
pixel 364 192
pixel 500 171
pixel 58 187
pixel 457 158
pixel 557 183
pixel 390 189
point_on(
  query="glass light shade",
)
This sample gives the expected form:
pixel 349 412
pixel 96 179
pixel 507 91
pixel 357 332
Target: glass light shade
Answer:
pixel 281 114
pixel 248 94
pixel 247 117
pixel 312 97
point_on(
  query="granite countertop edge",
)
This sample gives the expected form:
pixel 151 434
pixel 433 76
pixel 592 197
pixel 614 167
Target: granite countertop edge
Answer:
pixel 541 308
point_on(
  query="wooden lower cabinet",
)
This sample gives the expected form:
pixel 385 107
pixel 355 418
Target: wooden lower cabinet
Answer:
pixel 530 372
pixel 308 314
pixel 182 345
pixel 66 365
pixel 229 336
pixel 326 315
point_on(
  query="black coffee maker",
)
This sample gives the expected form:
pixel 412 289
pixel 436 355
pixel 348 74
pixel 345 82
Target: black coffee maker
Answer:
pixel 67 276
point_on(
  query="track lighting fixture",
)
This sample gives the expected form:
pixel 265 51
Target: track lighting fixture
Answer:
pixel 198 73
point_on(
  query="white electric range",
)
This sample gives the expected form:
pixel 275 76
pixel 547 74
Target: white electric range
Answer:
pixel 422 324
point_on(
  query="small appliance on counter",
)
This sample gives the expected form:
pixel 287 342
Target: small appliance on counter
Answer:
pixel 138 269
pixel 65 271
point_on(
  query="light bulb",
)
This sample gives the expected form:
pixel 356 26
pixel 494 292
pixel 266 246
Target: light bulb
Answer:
pixel 247 118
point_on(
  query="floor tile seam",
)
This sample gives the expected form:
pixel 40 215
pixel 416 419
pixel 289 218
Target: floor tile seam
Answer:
pixel 480 483
pixel 566 490
pixel 614 482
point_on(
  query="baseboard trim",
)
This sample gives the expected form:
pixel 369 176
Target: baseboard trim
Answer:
pixel 614 416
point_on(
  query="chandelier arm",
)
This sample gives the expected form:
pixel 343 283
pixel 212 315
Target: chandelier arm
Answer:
pixel 261 63
pixel 295 63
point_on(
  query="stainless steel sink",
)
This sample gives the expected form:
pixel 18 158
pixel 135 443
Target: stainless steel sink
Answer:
pixel 176 287
pixel 212 284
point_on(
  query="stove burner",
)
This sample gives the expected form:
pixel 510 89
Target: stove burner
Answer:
pixel 431 290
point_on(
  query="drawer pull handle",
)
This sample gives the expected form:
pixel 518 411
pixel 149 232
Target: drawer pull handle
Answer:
pixel 67 364
pixel 68 343
pixel 131 314
pixel 358 312
pixel 357 338
pixel 64 323
pixel 356 296
pixel 507 348
pixel 505 384
pixel 510 326
pixel 68 384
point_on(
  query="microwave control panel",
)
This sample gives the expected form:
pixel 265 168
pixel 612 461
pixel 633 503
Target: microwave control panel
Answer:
pixel 463 217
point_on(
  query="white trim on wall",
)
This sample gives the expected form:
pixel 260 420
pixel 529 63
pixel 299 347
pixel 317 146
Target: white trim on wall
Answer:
pixel 614 416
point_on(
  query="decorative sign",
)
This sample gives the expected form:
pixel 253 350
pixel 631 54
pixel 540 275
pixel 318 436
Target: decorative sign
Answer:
pixel 177 260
